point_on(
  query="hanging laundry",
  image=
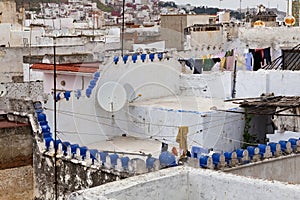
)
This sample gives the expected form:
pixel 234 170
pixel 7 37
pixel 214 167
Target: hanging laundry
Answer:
pixel 222 63
pixel 190 63
pixel 249 62
pixel 198 66
pixel 257 60
pixel 208 64
pixel 230 63
pixel 267 55
pixel 216 66
pixel 241 64
pixel 181 138
pixel 261 51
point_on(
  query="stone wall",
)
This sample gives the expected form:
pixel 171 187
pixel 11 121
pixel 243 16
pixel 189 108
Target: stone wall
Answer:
pixel 32 90
pixel 15 146
pixel 16 171
pixel 16 183
pixel 71 176
pixel 8 10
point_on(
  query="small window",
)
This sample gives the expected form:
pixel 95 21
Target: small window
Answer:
pixel 63 83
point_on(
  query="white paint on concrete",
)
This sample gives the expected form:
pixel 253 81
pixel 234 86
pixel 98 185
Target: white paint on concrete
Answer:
pixel 188 183
pixel 168 100
pixel 211 85
pixel 256 37
pixel 286 135
pixel 253 84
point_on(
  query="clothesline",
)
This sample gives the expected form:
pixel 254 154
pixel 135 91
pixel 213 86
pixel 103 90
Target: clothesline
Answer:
pixel 251 59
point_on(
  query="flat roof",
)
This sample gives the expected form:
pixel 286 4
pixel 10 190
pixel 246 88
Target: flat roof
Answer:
pixel 186 103
pixel 129 144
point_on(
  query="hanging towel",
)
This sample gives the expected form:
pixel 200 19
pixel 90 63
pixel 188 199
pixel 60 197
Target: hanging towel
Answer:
pixel 208 64
pixel 267 55
pixel 222 63
pixel 249 62
pixel 181 138
pixel 229 63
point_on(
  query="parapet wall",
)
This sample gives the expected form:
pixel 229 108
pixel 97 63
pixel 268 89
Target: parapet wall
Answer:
pixel 187 183
pixel 256 37
pixel 212 85
pixel 31 90
pixel 15 144
pixel 16 183
pixel 248 84
pixel 284 168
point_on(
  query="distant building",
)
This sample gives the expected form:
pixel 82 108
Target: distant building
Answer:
pixel 172 27
pixel 268 18
pixel 295 11
pixel 8 11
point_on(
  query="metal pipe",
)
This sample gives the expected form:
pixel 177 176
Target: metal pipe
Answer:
pixel 123 25
pixel 55 127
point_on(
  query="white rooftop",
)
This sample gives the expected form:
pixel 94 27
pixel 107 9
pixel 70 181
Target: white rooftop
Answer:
pixel 188 183
pixel 187 103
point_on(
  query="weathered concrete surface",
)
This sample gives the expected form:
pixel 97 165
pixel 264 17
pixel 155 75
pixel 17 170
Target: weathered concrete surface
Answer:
pixel 71 176
pixel 32 90
pixel 284 168
pixel 189 184
pixel 15 144
pixel 11 58
pixel 16 171
pixel 16 183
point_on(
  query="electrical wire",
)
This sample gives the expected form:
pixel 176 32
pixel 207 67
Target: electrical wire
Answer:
pixel 71 113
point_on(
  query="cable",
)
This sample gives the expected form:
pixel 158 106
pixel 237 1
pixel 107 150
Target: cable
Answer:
pixel 70 113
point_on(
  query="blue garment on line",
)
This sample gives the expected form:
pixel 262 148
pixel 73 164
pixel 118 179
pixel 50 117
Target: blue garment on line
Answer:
pixel 249 61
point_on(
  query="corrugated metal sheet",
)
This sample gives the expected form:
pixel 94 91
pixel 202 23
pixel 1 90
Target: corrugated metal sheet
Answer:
pixel 290 60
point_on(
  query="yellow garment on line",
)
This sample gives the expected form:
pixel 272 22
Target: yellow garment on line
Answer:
pixel 181 137
pixel 222 63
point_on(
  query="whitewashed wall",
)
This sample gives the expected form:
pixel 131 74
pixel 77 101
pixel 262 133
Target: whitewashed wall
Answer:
pixel 208 129
pixel 212 85
pixel 253 84
pixel 193 184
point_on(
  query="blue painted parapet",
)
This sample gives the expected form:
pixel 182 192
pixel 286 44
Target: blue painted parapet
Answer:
pixel 203 160
pixel 286 146
pixel 227 156
pixel 116 59
pixel 293 142
pixel 134 58
pixel 125 58
pixel 143 57
pixel 92 157
pixel 167 159
pixel 197 151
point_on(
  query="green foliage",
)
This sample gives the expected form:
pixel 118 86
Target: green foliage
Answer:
pixel 102 6
pixel 169 4
pixel 35 4
pixel 247 137
pixel 205 10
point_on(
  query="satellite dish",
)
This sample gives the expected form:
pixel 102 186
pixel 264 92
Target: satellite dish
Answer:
pixel 111 96
pixel 3 91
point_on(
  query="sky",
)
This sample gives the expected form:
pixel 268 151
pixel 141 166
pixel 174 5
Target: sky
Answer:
pixel 235 4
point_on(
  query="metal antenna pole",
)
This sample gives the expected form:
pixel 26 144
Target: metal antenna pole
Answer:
pixel 123 25
pixel 55 120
